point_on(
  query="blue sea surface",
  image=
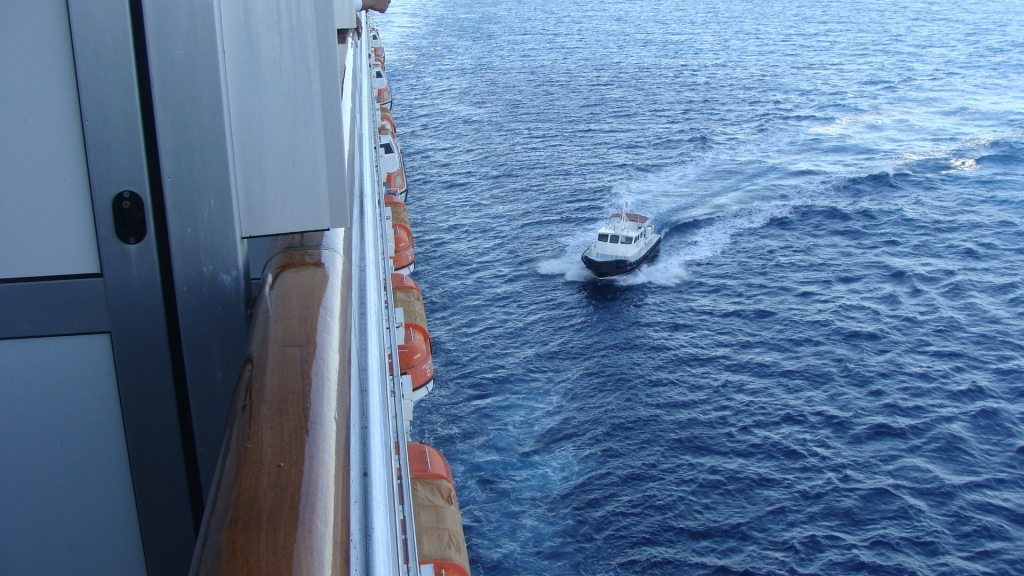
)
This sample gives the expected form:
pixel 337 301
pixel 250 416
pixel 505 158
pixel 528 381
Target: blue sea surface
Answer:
pixel 823 370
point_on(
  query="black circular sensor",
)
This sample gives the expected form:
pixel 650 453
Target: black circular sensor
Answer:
pixel 129 217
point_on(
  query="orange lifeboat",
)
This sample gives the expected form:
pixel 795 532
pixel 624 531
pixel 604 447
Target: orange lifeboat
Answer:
pixel 399 212
pixel 376 44
pixel 406 295
pixel 402 282
pixel 404 258
pixel 415 361
pixel 387 121
pixel 380 84
pixel 440 540
pixel 394 167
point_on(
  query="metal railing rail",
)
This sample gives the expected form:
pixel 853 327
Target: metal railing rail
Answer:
pixel 383 534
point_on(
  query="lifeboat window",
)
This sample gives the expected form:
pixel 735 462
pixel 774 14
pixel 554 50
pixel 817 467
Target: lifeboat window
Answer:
pixel 602 237
pixel 613 239
pixel 380 74
pixel 387 148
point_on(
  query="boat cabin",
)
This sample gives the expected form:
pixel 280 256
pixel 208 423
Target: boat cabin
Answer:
pixel 622 235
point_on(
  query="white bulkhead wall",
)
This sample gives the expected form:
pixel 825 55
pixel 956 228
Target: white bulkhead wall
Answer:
pixel 46 217
pixel 281 77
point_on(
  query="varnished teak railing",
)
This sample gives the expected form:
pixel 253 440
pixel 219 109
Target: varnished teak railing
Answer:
pixel 280 504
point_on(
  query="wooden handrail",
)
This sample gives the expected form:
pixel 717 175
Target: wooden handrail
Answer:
pixel 280 500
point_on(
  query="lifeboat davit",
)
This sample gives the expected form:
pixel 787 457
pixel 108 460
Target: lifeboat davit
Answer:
pixel 403 258
pixel 380 84
pixel 440 539
pixel 623 243
pixel 394 167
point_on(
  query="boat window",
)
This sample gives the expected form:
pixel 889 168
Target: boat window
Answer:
pixel 613 239
pixel 387 148
pixel 380 74
pixel 602 237
pixel 627 239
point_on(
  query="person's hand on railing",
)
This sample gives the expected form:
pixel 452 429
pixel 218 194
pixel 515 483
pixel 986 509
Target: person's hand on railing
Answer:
pixel 376 5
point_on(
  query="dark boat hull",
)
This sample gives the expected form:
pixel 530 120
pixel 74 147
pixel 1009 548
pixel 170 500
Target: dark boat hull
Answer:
pixel 606 268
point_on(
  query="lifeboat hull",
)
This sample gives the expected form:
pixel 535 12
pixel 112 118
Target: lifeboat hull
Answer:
pixel 421 392
pixel 395 184
pixel 406 270
pixel 404 260
pixel 618 267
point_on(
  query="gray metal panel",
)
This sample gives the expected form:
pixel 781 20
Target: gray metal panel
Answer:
pixel 258 249
pixel 108 91
pixel 53 308
pixel 67 505
pixel 211 277
pixel 45 207
pixel 281 73
pixel 339 193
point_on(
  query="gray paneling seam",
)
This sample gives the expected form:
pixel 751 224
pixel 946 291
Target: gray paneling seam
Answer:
pixel 53 308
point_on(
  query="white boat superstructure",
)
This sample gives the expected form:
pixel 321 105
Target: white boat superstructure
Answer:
pixel 625 241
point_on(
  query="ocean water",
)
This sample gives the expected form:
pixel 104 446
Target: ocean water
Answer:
pixel 823 370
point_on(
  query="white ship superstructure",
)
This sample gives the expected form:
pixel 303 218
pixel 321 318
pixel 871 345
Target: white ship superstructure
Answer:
pixel 210 341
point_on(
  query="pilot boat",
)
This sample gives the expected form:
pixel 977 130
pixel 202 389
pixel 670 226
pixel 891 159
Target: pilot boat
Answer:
pixel 624 242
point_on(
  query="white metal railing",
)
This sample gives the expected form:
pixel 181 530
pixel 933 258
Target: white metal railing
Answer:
pixel 383 540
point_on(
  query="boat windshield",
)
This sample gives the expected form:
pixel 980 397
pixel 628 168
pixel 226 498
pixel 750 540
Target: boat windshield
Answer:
pixel 602 237
pixel 387 148
pixel 627 239
pixel 613 239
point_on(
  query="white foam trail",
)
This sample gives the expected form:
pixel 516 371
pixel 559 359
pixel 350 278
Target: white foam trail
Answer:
pixel 569 264
pixel 714 185
pixel 669 268
pixel 899 141
pixel 962 165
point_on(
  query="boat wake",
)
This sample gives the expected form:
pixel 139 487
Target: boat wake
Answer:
pixel 704 239
pixel 670 267
pixel 700 206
